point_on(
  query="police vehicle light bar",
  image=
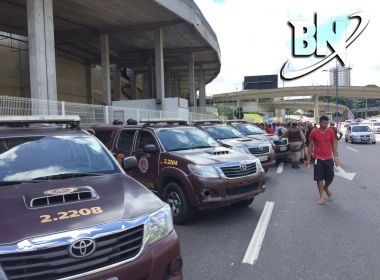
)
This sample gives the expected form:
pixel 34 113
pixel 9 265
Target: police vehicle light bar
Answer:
pixel 213 121
pixel 179 121
pixel 26 120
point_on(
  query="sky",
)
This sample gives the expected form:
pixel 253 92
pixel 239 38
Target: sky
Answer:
pixel 256 39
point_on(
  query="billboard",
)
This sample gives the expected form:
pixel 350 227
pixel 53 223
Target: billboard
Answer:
pixel 260 82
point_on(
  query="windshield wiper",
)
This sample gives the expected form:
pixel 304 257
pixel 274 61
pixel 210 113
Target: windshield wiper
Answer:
pixel 67 175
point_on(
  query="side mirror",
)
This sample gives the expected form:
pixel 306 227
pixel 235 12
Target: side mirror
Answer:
pixel 150 149
pixel 129 163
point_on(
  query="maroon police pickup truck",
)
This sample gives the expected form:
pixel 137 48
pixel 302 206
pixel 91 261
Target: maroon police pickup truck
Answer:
pixel 69 211
pixel 186 168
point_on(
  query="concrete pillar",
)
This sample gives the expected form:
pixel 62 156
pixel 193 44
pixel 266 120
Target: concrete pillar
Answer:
pixel 168 82
pixel 106 75
pixel 116 84
pixel 316 109
pixel 147 85
pixel 43 81
pixel 159 67
pixel 133 82
pixel 202 90
pixel 89 94
pixel 193 95
pixel 177 85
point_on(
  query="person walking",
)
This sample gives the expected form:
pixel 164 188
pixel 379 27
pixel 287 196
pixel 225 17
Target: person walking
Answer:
pixel 323 146
pixel 296 140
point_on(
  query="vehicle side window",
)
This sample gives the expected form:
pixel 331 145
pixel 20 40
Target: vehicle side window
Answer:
pixel 125 140
pixel 145 138
pixel 103 136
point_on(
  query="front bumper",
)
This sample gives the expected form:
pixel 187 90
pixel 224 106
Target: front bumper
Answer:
pixel 156 263
pixel 219 192
pixel 364 139
pixel 281 151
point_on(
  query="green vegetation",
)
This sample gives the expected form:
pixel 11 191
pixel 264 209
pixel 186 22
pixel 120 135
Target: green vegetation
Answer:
pixel 254 117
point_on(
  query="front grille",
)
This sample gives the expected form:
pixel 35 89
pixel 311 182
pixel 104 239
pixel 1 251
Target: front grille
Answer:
pixel 55 263
pixel 243 189
pixel 280 142
pixel 239 170
pixel 259 150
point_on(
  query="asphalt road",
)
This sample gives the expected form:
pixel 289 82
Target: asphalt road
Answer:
pixel 303 240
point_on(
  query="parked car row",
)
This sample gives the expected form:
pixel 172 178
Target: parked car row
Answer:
pixel 78 202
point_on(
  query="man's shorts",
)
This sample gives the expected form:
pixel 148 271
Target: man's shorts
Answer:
pixel 324 170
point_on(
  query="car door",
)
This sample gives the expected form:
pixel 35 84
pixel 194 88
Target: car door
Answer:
pixel 123 145
pixel 148 160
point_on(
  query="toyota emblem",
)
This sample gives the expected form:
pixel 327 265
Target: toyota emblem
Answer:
pixel 82 248
pixel 243 167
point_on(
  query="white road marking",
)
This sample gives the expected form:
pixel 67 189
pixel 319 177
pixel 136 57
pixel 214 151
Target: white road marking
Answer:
pixel 253 250
pixel 352 149
pixel 280 168
pixel 339 171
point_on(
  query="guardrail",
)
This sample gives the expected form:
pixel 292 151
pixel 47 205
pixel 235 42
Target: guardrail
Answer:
pixel 90 114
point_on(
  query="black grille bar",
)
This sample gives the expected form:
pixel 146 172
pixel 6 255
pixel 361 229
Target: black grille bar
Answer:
pixel 239 170
pixel 55 263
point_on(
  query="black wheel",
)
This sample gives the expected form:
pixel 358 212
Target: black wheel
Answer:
pixel 266 170
pixel 243 203
pixel 374 142
pixel 176 198
pixel 352 141
pixel 345 139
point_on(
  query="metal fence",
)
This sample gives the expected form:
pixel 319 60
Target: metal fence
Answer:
pixel 89 114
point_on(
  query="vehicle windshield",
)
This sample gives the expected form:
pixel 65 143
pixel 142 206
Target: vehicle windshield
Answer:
pixel 362 128
pixel 221 132
pixel 376 124
pixel 185 139
pixel 28 158
pixel 249 129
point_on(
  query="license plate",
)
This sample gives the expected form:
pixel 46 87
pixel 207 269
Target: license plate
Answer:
pixel 263 158
pixel 365 139
pixel 282 149
pixel 113 278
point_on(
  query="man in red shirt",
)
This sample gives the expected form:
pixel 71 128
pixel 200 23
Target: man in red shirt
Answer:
pixel 323 145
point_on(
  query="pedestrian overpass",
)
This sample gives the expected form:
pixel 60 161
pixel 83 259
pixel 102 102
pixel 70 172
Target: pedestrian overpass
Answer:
pixel 272 98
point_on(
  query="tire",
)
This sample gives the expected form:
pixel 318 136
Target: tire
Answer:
pixel 243 203
pixel 374 142
pixel 182 211
pixel 352 141
pixel 345 139
pixel 266 170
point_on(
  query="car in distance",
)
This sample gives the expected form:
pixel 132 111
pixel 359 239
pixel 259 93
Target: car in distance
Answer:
pixel 280 146
pixel 69 211
pixel 184 166
pixel 230 137
pixel 360 134
pixel 375 126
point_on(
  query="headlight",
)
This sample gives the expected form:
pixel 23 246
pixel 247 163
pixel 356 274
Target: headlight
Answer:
pixel 259 167
pixel 205 171
pixel 160 225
